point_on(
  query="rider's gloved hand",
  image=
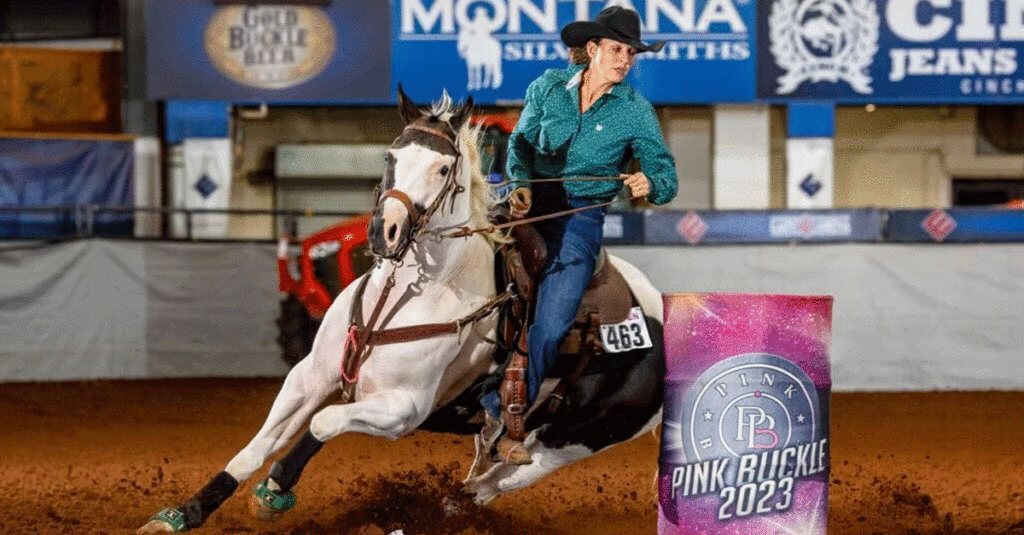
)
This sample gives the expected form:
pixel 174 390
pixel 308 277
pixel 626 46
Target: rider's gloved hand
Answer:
pixel 519 201
pixel 639 185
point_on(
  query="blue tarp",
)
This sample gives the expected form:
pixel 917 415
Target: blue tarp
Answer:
pixel 38 173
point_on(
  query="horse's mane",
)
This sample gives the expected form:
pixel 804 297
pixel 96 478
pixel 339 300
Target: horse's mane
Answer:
pixel 481 193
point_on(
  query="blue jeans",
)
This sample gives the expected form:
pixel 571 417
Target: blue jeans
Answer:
pixel 573 242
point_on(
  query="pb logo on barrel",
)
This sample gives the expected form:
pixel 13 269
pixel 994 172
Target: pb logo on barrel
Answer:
pixel 757 402
pixel 270 46
pixel 750 429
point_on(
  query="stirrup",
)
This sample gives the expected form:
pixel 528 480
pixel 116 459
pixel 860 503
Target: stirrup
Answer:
pixel 493 429
pixel 276 502
pixel 511 452
pixel 173 518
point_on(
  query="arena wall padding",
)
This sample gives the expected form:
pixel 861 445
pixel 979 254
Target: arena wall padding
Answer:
pixel 105 309
pixel 908 317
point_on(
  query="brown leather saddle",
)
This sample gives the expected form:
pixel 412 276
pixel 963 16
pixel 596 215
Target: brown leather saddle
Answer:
pixel 607 300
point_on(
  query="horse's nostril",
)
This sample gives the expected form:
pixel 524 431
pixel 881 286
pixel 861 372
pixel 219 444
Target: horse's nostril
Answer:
pixel 392 232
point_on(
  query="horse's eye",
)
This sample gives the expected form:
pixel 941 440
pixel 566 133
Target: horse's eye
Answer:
pixel 444 170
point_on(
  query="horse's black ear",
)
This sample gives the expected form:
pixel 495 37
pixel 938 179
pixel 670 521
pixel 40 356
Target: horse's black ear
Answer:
pixel 406 107
pixel 460 116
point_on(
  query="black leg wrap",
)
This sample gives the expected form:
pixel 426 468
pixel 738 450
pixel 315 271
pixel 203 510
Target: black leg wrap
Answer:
pixel 208 499
pixel 287 470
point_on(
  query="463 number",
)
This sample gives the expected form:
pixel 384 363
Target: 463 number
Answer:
pixel 628 335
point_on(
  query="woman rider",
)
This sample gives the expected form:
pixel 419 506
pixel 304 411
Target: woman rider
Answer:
pixel 581 121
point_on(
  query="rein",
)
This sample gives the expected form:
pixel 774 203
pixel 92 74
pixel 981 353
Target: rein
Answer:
pixel 506 180
pixel 467 231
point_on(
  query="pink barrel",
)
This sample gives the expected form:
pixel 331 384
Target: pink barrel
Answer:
pixel 744 441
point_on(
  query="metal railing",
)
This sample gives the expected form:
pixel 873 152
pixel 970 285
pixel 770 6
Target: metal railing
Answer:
pixel 163 223
pixel 622 227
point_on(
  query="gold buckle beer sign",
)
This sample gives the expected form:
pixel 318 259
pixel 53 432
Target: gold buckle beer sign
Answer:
pixel 270 46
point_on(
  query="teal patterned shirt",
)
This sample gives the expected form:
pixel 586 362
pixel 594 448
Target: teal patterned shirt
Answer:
pixel 552 138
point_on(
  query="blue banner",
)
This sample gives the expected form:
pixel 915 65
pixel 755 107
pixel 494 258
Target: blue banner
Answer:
pixel 623 227
pixel 40 173
pixel 906 51
pixel 196 118
pixel 325 52
pixel 493 49
pixel 664 227
pixel 955 225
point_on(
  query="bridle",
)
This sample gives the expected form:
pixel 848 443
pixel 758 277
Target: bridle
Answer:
pixel 418 219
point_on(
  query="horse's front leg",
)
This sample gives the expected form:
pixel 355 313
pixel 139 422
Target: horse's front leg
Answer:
pixel 304 389
pixel 389 414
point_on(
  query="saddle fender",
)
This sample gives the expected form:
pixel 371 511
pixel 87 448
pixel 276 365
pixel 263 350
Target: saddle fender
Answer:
pixel 607 298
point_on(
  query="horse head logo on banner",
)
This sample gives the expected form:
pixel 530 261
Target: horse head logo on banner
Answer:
pixel 824 40
pixel 481 50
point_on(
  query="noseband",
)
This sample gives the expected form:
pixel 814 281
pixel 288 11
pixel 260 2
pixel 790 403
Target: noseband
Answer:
pixel 419 218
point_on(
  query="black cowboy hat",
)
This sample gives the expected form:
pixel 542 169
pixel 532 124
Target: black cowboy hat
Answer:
pixel 614 22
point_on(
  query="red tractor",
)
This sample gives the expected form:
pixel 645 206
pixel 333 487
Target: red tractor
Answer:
pixel 327 262
pixel 312 273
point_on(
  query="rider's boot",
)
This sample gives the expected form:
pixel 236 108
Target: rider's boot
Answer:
pixel 510 448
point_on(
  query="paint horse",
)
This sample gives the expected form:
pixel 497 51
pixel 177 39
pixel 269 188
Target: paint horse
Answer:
pixel 407 342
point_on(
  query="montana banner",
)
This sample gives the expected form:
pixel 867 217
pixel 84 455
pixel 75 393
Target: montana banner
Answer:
pixel 493 49
pixel 891 50
pixel 744 445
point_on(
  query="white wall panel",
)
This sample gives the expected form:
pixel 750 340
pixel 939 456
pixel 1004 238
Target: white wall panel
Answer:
pixel 742 157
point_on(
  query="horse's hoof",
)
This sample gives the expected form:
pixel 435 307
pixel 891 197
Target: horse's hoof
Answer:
pixel 166 521
pixel 481 498
pixel 480 492
pixel 267 504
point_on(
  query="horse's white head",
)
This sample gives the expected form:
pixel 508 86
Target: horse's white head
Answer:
pixel 428 170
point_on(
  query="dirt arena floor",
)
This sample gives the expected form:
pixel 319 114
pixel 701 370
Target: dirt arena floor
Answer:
pixel 100 457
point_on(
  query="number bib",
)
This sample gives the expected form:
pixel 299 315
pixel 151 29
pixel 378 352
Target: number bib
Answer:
pixel 628 335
